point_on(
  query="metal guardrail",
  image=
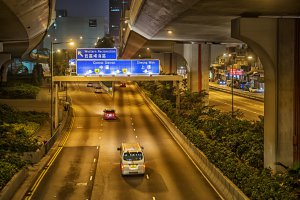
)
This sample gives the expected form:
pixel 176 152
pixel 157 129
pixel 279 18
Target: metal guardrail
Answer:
pixel 238 93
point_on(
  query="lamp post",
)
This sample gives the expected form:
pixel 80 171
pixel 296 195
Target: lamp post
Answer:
pixel 51 84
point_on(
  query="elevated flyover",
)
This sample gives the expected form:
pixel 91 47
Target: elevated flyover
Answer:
pixel 23 26
pixel 192 28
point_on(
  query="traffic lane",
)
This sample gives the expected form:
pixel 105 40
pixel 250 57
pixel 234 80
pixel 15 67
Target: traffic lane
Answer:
pixel 223 101
pixel 169 173
pixel 70 176
pixel 109 183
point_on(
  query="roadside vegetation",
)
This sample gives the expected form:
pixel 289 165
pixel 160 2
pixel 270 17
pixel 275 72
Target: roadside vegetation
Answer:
pixel 19 91
pixel 231 143
pixel 16 136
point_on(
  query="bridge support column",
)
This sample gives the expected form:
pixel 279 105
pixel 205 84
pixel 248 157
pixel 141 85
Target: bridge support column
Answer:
pixel 199 58
pixel 4 60
pixel 276 42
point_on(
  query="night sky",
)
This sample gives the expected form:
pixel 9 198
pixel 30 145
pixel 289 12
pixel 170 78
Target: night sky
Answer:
pixel 84 8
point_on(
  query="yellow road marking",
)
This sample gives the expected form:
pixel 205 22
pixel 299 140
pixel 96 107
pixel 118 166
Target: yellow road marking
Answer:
pixel 49 164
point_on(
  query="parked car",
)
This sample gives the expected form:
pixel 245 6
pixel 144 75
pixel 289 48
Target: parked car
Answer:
pixel 89 84
pixel 244 85
pixel 221 82
pixel 98 89
pixel 256 90
pixel 109 114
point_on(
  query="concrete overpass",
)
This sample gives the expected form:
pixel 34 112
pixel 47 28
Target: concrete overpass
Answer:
pixel 195 30
pixel 23 26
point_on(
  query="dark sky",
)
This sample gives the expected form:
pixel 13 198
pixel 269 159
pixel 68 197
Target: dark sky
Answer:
pixel 84 8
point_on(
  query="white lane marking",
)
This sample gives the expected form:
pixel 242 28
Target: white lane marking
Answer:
pixel 91 178
pixel 94 159
pixel 147 176
pixel 81 184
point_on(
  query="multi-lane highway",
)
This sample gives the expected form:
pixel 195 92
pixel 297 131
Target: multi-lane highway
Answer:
pixel 87 166
pixel 223 101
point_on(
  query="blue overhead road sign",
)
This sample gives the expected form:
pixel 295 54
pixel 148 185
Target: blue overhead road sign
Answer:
pixel 110 67
pixel 96 53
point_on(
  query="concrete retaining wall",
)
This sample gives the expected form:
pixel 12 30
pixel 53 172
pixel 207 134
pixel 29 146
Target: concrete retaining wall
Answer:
pixel 13 185
pixel 224 186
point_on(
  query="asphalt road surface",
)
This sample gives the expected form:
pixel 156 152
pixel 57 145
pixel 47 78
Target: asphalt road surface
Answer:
pixel 223 101
pixel 88 166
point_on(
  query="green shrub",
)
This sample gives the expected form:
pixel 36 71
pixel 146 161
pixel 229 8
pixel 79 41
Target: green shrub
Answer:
pixel 22 91
pixel 232 144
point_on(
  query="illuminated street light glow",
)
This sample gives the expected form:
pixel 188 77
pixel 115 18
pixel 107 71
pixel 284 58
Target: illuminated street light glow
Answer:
pixel 170 32
pixel 81 37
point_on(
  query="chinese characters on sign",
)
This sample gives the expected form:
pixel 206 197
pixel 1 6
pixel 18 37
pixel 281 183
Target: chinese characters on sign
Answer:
pixel 103 61
pixel 118 67
pixel 96 54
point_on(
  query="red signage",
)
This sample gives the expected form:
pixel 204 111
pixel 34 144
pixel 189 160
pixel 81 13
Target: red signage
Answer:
pixel 236 72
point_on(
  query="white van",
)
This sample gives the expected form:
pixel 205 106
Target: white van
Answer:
pixel 132 160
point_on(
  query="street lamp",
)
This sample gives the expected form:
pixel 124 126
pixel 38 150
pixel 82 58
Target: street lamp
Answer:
pixel 51 84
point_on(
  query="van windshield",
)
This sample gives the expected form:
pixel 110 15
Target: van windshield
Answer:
pixel 132 156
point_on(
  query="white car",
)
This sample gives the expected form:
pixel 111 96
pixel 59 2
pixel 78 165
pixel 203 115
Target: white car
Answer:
pixel 256 90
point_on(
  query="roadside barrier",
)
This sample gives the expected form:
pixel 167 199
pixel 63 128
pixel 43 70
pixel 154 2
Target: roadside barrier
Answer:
pixel 238 93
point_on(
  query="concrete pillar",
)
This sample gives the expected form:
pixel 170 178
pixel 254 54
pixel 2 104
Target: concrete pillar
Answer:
pixel 4 61
pixel 167 62
pixel 273 40
pixel 198 59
